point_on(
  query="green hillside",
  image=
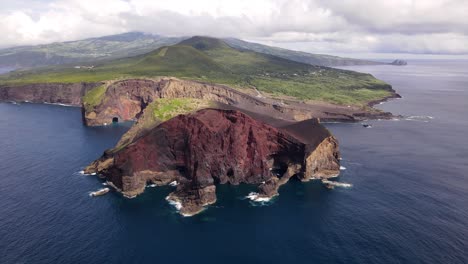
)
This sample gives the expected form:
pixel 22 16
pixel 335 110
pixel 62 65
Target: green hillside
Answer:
pixel 212 60
pixel 299 56
pixel 137 43
pixel 84 51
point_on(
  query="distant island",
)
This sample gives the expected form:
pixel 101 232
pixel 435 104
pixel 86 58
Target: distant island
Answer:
pixel 207 113
pixel 399 62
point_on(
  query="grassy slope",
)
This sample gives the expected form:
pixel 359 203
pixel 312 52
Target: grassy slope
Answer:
pixel 84 51
pixel 212 60
pixel 94 97
pixel 299 56
pixel 159 111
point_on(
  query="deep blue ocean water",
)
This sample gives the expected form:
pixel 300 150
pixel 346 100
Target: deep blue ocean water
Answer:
pixel 408 203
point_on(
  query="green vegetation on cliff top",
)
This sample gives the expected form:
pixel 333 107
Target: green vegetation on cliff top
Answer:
pixel 212 60
pixel 164 109
pixel 159 111
pixel 94 96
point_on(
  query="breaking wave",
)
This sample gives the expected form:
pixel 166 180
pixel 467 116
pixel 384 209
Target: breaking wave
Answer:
pixel 337 184
pixel 256 200
pixel 177 205
pixel 419 118
pixel 68 105
pixel 174 183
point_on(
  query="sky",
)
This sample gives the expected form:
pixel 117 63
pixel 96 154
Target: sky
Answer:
pixel 365 27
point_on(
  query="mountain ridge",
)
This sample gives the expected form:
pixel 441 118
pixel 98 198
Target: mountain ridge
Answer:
pixel 92 50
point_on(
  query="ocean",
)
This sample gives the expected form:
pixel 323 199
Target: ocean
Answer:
pixel 407 204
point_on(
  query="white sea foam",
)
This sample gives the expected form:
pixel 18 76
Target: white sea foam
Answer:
pixel 151 186
pixel 174 183
pixel 68 105
pixel 104 183
pixel 419 118
pixel 93 173
pixel 81 173
pixel 337 184
pixel 177 205
pixel 342 168
pixel 253 196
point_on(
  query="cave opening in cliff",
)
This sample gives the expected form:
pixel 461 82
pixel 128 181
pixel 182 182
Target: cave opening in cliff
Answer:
pixel 115 120
pixel 279 167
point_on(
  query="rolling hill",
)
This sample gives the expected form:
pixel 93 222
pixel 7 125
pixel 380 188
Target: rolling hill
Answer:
pixel 214 61
pixel 137 43
pixel 299 56
pixel 83 51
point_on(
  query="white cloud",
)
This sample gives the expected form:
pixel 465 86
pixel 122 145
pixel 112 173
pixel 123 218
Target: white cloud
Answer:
pixel 326 26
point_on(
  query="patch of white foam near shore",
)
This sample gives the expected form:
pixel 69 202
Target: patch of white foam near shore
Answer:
pixel 151 185
pixel 257 200
pixel 174 183
pixel 420 118
pixel 81 172
pixel 342 168
pixel 67 105
pixel 338 184
pixel 177 205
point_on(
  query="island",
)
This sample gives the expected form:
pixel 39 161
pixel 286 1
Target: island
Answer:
pixel 399 63
pixel 206 113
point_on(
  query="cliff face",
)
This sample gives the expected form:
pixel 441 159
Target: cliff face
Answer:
pixel 65 93
pixel 212 146
pixel 127 99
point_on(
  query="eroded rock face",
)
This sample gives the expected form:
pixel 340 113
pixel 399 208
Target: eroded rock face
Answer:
pixel 62 93
pixel 127 99
pixel 214 146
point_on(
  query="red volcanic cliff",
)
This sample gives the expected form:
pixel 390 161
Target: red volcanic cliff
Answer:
pixel 217 146
pixel 127 99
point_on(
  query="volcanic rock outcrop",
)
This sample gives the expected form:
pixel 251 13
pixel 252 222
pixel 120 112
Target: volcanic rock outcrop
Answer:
pixel 213 146
pixel 125 100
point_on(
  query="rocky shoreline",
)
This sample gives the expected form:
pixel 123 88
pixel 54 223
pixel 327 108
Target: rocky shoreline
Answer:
pixel 243 139
pixel 213 146
pixel 126 99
